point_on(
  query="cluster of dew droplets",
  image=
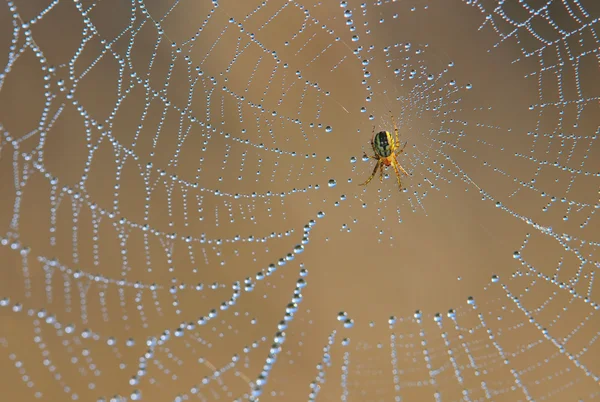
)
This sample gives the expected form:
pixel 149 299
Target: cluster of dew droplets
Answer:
pixel 315 385
pixel 44 323
pixel 343 318
pixel 279 337
pixel 156 177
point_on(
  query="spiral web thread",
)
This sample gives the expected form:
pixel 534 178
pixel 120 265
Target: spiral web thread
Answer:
pixel 488 349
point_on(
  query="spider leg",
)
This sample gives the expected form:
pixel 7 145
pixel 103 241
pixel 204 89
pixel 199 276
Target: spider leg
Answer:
pixel 395 129
pixel 399 151
pixel 372 175
pixel 400 167
pixel 381 174
pixel 373 143
pixel 395 165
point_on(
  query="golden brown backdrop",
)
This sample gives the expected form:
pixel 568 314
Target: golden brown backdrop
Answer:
pixel 181 218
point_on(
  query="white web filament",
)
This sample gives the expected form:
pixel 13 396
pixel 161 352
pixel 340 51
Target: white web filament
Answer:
pixel 171 171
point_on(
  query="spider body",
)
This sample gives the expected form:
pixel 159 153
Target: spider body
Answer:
pixel 382 144
pixel 386 149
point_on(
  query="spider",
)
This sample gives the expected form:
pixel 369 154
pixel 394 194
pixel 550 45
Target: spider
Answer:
pixel 386 150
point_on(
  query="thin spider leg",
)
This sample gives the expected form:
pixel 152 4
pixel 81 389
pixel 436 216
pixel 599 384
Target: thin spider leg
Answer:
pixel 381 174
pixel 396 165
pixel 399 151
pixel 372 141
pixel 400 166
pixel 372 175
pixel 395 129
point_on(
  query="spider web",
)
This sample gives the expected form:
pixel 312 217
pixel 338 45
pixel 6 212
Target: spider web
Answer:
pixel 181 218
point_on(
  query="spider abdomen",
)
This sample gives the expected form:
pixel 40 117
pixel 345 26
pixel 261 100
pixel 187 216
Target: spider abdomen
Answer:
pixel 383 144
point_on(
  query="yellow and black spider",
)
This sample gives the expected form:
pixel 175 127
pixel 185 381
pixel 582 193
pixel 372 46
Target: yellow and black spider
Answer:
pixel 387 149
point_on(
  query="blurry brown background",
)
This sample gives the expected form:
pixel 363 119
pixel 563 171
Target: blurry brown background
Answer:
pixel 379 253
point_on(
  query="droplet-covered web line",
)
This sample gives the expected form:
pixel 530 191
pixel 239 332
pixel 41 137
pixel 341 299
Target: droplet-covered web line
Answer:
pixel 569 49
pixel 568 56
pixel 463 353
pixel 585 268
pixel 421 355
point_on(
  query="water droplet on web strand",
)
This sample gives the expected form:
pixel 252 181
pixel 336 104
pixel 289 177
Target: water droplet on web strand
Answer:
pixel 331 183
